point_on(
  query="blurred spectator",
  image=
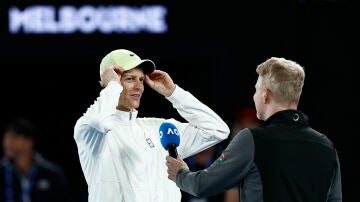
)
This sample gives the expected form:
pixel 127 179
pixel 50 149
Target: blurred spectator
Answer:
pixel 25 176
pixel 245 118
pixel 201 161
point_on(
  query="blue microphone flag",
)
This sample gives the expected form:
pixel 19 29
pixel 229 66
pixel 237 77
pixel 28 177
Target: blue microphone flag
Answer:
pixel 169 134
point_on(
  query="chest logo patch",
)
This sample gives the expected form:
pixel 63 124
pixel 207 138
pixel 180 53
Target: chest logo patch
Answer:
pixel 150 143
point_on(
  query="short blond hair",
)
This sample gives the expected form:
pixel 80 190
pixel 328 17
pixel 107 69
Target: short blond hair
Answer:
pixel 284 78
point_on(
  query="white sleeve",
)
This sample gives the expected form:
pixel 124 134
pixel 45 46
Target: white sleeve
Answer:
pixel 204 128
pixel 92 126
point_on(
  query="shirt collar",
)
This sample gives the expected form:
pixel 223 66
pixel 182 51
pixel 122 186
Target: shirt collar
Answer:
pixel 290 117
pixel 126 117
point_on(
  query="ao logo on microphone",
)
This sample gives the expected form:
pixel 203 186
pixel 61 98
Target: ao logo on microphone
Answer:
pixel 169 138
pixel 170 131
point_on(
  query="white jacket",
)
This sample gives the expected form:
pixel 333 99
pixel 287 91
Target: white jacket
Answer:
pixel 121 155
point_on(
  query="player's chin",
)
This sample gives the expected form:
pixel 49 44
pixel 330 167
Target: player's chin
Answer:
pixel 135 104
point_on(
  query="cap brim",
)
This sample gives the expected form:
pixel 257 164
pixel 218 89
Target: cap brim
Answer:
pixel 147 65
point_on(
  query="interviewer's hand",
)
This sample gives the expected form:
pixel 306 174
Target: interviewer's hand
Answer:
pixel 174 165
pixel 161 82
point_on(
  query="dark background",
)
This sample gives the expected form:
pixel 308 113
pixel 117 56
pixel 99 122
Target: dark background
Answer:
pixel 211 50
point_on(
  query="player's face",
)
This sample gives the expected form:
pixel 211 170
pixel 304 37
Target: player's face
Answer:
pixel 133 88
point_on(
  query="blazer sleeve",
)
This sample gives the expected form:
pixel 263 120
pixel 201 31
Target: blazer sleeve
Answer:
pixel 225 173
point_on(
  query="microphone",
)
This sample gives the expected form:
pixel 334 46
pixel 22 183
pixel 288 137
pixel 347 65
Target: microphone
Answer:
pixel 170 138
